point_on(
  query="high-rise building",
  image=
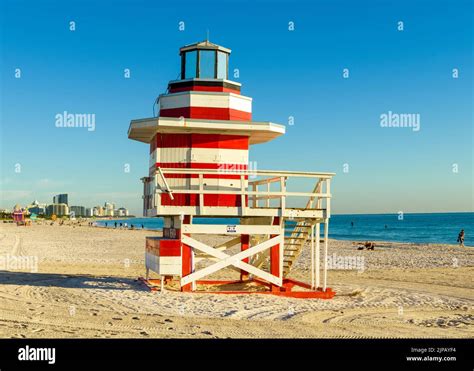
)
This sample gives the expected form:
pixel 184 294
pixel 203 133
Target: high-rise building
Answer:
pixel 57 209
pixel 78 210
pixel 60 199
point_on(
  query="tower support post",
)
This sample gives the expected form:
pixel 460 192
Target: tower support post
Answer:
pixel 244 245
pixel 276 259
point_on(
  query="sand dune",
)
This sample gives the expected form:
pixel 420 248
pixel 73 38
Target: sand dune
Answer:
pixel 86 286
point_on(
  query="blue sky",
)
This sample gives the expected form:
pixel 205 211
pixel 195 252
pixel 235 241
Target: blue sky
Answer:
pixel 288 73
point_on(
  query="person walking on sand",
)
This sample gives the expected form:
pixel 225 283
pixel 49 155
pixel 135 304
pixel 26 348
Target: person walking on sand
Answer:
pixel 461 238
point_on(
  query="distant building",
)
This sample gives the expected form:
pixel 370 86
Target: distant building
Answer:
pixel 109 209
pixel 121 212
pixel 89 212
pixel 98 211
pixel 57 209
pixel 60 199
pixel 37 208
pixel 79 211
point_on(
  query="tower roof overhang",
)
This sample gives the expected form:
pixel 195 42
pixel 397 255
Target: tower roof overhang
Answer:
pixel 143 130
pixel 205 45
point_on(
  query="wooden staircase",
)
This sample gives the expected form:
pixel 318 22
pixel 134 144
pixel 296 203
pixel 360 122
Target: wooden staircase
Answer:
pixel 296 236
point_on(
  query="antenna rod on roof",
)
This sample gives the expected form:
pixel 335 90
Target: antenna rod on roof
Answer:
pixel 207 35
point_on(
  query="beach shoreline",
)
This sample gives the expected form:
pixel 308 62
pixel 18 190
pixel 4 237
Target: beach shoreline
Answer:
pixel 85 285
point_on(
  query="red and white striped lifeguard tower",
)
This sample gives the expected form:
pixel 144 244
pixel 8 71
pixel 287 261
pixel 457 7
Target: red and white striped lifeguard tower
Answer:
pixel 199 168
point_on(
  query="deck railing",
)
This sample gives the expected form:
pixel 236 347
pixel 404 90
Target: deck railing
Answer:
pixel 257 189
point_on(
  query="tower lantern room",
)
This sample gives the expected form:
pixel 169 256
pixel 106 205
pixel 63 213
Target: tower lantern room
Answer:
pixel 199 169
pixel 204 60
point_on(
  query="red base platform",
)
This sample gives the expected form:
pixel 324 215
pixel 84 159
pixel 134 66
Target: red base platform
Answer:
pixel 285 290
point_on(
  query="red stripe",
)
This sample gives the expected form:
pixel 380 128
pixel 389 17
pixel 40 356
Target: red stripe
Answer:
pixel 193 200
pixel 187 266
pixel 211 113
pixel 170 247
pixel 201 141
pixel 201 165
pixel 275 256
pixel 205 88
pixel 220 141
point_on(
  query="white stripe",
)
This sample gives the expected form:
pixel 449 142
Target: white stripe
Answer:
pixel 163 265
pixel 206 155
pixel 171 270
pixel 220 155
pixel 170 260
pixel 206 99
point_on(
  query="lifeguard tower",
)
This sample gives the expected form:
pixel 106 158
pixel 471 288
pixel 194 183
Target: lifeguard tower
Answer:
pixel 199 168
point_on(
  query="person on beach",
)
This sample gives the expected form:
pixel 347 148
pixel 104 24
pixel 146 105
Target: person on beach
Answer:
pixel 115 225
pixel 105 224
pixel 461 238
pixel 143 226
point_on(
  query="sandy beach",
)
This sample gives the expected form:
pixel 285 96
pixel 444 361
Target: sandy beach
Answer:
pixel 86 286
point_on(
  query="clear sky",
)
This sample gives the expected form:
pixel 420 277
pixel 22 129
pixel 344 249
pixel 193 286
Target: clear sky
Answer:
pixel 295 73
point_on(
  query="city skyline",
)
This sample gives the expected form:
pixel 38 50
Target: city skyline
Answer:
pixel 383 104
pixel 61 207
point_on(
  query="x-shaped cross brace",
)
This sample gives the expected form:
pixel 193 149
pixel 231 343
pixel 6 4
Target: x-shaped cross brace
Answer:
pixel 235 260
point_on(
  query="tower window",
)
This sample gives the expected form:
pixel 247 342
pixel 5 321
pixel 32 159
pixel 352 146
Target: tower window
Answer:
pixel 221 65
pixel 191 64
pixel 207 64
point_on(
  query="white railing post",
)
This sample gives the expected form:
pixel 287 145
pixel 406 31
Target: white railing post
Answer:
pixel 312 257
pixel 283 194
pixel 242 196
pixel 201 194
pixel 326 230
pixel 317 259
pixel 328 198
pixel 267 201
pixel 254 197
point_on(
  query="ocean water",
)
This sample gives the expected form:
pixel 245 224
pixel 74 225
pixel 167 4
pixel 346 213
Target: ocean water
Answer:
pixel 418 228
